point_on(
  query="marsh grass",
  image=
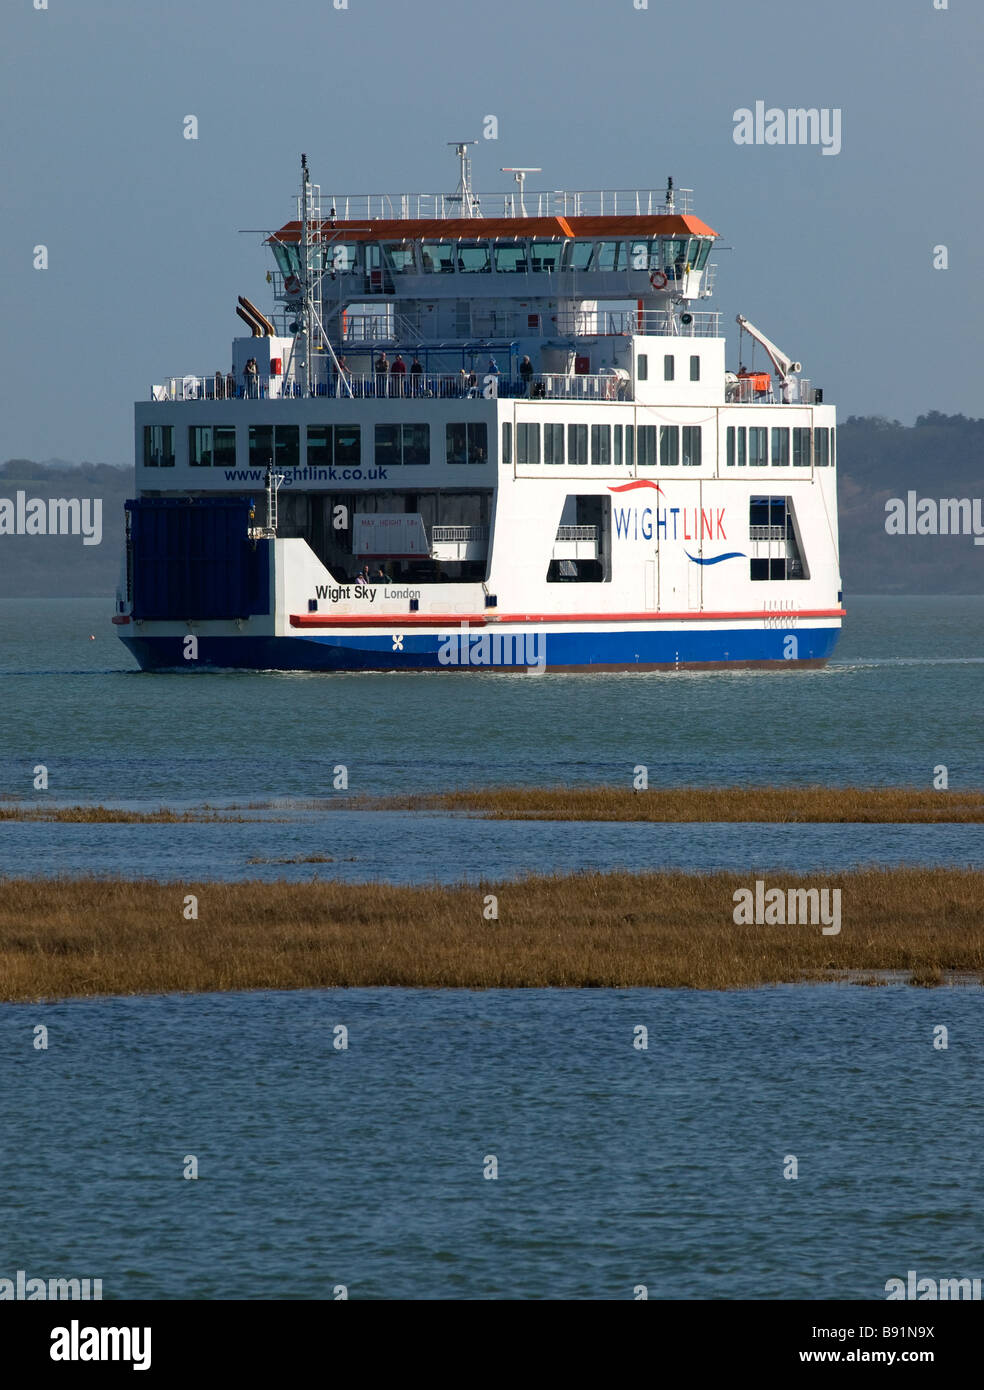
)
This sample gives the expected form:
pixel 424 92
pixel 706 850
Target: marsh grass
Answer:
pixel 828 805
pixel 107 815
pixel 89 937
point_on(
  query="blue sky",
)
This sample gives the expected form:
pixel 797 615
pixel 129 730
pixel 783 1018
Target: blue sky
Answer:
pixel 831 256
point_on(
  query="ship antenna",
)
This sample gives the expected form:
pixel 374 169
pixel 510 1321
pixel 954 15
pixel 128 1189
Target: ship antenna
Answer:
pixel 463 194
pixel 670 196
pixel 520 177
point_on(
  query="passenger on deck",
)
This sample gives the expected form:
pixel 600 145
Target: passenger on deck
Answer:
pixel 230 387
pixel 398 372
pixel 219 386
pixel 526 374
pixel 472 385
pixel 251 378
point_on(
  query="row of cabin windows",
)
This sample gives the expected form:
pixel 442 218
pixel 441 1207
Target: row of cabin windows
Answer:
pixel 669 367
pixel 673 255
pixel 645 445
pixel 756 446
pixel 339 446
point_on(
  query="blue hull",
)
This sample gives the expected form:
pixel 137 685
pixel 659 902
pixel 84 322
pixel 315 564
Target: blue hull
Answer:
pixel 644 649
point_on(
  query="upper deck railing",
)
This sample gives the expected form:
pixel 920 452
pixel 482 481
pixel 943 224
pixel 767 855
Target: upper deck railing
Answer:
pixel 559 202
pixel 382 385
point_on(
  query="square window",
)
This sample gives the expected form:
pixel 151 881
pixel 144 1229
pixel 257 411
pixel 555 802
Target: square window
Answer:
pixel 642 367
pixel 695 368
pixel 669 367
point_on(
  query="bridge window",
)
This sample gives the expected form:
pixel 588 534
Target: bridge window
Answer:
pixel 401 258
pixel 821 448
pixel 437 256
pixel 692 446
pixel 669 446
pixel 469 443
pixel 577 444
pixel 510 258
pixel 527 443
pixel 611 256
pixel 158 446
pixel 703 251
pixel 758 445
pixel 553 444
pixel 473 257
pixel 579 254
pixel 546 255
pixel 780 448
pixel 212 445
pixel 801 448
pixel 402 444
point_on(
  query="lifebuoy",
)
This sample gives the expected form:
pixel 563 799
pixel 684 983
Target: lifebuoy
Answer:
pixel 292 286
pixel 658 280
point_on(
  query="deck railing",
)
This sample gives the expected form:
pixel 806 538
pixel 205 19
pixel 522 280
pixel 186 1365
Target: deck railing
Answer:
pixel 626 202
pixel 405 385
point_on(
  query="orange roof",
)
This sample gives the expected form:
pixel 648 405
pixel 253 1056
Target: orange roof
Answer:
pixel 479 228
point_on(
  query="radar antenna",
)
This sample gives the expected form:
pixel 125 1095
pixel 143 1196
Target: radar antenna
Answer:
pixel 520 176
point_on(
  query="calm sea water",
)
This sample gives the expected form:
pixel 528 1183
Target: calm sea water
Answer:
pixel 905 693
pixel 616 1167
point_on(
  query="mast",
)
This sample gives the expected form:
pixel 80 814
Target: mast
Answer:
pixel 306 286
pixel 463 194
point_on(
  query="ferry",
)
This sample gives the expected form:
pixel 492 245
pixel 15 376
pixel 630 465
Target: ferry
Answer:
pixel 485 432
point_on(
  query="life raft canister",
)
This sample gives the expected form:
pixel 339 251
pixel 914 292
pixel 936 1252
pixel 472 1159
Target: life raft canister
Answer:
pixel 658 280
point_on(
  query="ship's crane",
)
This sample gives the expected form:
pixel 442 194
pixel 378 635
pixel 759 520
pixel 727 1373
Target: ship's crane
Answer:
pixel 785 366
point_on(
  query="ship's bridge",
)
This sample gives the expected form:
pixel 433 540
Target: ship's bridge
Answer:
pixel 517 273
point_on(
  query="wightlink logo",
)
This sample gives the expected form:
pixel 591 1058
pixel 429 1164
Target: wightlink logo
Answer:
pixel 927 516
pixel 796 125
pixel 21 515
pixel 514 649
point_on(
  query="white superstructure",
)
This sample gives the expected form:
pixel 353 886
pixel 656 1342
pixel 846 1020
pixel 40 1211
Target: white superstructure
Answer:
pixel 490 431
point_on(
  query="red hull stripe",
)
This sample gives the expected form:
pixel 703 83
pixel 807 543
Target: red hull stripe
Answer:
pixel 443 620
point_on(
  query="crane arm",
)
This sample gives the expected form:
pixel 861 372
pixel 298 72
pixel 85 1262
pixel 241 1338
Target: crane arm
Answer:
pixel 784 365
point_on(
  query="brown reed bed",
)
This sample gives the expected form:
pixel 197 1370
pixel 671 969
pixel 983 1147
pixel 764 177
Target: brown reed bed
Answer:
pixel 828 805
pixel 92 937
pixel 107 815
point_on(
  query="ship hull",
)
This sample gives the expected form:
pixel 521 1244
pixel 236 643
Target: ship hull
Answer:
pixel 518 650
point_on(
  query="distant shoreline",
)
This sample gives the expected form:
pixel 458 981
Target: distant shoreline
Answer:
pixel 67 938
